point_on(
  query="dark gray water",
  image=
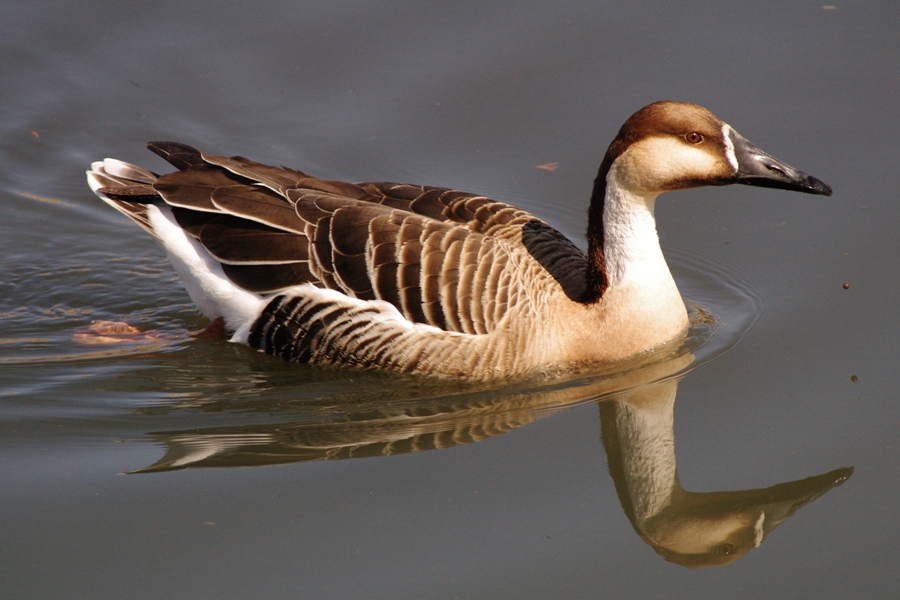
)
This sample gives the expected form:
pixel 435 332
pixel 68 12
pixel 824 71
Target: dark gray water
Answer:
pixel 448 491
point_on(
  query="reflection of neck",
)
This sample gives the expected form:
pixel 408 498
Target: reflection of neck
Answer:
pixel 689 528
pixel 645 444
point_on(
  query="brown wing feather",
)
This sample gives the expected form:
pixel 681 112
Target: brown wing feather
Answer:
pixel 193 187
pixel 440 256
pixel 257 204
pixel 475 212
pixel 268 278
pixel 180 156
pixel 234 240
pixel 278 179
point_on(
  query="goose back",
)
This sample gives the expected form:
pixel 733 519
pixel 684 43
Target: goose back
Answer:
pixel 453 260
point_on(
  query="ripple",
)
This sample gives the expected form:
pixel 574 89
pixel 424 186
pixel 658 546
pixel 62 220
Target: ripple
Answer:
pixel 717 288
pixel 48 303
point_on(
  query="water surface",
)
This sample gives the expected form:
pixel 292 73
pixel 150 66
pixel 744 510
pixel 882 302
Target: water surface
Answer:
pixel 396 488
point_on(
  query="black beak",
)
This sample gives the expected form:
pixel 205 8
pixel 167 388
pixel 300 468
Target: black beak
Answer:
pixel 755 167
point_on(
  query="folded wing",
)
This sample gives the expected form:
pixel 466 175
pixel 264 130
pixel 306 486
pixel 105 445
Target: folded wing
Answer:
pixel 441 256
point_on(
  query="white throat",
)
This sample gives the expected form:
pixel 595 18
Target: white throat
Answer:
pixel 645 426
pixel 630 242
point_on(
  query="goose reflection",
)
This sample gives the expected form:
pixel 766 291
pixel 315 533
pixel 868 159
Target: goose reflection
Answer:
pixel 637 419
pixel 689 528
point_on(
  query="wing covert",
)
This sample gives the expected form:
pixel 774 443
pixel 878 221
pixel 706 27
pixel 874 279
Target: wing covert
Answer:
pixel 440 256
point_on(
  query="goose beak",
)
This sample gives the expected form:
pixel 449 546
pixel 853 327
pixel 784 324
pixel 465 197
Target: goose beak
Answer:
pixel 755 167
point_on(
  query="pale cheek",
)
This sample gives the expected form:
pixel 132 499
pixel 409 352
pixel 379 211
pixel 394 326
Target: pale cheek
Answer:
pixel 661 164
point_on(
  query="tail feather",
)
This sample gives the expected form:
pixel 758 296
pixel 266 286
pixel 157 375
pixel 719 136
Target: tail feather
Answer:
pixel 129 189
pixel 180 156
pixel 125 187
pixel 128 172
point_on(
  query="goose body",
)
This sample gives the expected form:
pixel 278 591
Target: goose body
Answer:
pixel 429 280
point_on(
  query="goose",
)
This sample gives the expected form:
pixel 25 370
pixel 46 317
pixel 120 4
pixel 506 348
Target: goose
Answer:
pixel 429 280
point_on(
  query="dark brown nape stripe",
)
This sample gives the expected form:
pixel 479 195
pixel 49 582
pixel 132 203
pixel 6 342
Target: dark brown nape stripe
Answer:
pixel 598 279
pixel 180 156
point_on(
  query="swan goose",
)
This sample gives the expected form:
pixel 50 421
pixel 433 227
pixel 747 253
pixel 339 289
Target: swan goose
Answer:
pixel 429 280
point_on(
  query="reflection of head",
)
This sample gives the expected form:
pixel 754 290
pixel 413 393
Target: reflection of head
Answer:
pixel 702 541
pixel 687 528
pixel 723 556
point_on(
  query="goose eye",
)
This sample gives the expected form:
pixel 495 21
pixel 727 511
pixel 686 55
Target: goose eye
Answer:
pixel 693 137
pixel 724 549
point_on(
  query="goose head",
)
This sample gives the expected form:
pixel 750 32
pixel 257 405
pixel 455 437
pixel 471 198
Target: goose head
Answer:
pixel 674 145
pixel 668 146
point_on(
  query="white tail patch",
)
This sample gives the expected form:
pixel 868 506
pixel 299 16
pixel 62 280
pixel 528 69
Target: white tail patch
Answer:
pixel 210 289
